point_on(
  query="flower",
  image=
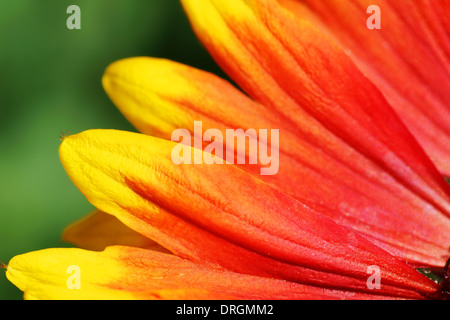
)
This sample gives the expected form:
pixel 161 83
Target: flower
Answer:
pixel 354 190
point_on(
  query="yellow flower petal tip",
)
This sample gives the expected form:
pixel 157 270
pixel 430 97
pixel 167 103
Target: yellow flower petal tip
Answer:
pixel 66 273
pixel 147 91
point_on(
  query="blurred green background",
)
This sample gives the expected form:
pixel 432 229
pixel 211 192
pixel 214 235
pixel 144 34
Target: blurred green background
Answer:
pixel 50 82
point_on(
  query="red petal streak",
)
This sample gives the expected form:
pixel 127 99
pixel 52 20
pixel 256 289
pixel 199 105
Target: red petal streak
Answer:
pixel 155 275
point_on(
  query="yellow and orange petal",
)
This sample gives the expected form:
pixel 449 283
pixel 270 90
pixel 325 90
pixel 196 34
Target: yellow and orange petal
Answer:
pixel 121 272
pixel 236 222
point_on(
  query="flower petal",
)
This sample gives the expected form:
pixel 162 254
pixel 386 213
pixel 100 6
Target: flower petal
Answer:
pixel 411 47
pixel 219 215
pixel 121 272
pixel 99 230
pixel 292 67
pixel 158 96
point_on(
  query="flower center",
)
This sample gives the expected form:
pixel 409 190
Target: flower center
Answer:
pixel 445 283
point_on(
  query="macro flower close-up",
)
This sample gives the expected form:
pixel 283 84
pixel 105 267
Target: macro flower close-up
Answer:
pixel 315 170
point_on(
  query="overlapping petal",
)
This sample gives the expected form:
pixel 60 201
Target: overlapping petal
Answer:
pixel 158 96
pixel 99 230
pixel 293 68
pixel 236 222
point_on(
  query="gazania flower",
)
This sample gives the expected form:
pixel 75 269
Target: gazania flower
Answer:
pixel 354 192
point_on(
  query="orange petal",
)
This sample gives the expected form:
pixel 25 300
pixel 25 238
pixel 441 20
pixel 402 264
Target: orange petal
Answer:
pixel 219 215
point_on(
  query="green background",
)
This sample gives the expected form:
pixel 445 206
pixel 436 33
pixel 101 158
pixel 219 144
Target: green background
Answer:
pixel 50 82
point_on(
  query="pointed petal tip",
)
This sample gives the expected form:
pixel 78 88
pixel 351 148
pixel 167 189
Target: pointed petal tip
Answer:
pixel 70 143
pixel 63 135
pixel 66 145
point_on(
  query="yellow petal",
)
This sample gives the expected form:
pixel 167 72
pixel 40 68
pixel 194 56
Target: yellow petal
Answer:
pixel 114 274
pixel 54 274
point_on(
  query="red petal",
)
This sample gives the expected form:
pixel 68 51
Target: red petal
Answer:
pixel 408 59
